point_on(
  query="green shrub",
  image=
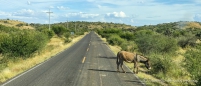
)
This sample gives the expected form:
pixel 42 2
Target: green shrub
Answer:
pixel 149 42
pixel 199 82
pixel 115 40
pixel 20 24
pixel 79 33
pixel 193 62
pixel 59 30
pixel 22 43
pixel 67 35
pixel 46 31
pixel 112 31
pixel 129 46
pixel 198 35
pixel 128 36
pixel 7 29
pixel 187 41
pixel 161 65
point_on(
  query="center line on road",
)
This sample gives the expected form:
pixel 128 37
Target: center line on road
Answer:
pixel 83 59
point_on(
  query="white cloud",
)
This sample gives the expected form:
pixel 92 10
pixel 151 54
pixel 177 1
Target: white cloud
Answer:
pixel 5 14
pixel 197 17
pixel 24 12
pixel 116 14
pixel 62 8
pixel 81 15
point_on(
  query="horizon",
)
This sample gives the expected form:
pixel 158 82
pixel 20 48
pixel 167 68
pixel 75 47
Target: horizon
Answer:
pixel 134 13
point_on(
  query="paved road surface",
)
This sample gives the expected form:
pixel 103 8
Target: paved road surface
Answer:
pixel 89 62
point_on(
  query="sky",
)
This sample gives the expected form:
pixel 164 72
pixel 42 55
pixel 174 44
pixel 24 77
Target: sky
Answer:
pixel 131 12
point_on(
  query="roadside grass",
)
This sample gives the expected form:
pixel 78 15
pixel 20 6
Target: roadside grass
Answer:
pixel 55 46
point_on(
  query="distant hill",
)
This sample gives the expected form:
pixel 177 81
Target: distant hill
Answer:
pixel 94 25
pixel 174 25
pixel 103 25
pixel 15 23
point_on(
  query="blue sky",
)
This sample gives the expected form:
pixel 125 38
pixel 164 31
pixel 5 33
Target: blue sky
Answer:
pixel 132 12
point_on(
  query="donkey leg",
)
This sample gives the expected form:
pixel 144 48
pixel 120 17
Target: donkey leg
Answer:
pixel 118 67
pixel 122 67
pixel 135 68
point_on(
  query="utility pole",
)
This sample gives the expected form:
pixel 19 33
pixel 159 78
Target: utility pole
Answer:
pixel 49 17
pixel 75 26
pixel 67 24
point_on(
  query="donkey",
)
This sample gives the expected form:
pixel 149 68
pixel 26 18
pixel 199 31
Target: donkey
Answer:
pixel 131 58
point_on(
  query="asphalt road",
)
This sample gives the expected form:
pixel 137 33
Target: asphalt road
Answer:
pixel 89 62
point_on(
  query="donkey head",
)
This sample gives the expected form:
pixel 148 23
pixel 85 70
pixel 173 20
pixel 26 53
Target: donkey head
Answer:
pixel 146 61
pixel 147 64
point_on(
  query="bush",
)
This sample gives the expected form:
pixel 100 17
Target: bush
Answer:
pixel 161 65
pixel 46 31
pixel 80 33
pixel 129 46
pixel 49 33
pixel 59 30
pixel 22 43
pixel 20 24
pixel 115 40
pixel 112 31
pixel 199 82
pixel 67 35
pixel 149 42
pixel 193 62
pixel 128 36
pixel 187 41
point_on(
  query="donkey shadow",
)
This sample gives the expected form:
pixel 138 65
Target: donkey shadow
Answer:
pixel 106 57
pixel 108 71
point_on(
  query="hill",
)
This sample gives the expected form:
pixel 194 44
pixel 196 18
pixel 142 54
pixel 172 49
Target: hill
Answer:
pixel 15 23
pixel 94 25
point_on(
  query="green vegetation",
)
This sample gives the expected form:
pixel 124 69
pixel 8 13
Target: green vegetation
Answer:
pixel 193 59
pixel 162 44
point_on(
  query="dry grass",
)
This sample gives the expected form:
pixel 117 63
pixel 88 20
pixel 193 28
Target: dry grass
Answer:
pixel 55 46
pixel 193 25
pixel 145 77
pixel 13 23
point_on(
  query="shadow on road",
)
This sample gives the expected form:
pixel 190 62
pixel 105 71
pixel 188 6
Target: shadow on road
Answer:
pixel 109 71
pixel 102 70
pixel 107 57
pixel 137 81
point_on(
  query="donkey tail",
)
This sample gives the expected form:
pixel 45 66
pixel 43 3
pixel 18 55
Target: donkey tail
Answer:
pixel 117 62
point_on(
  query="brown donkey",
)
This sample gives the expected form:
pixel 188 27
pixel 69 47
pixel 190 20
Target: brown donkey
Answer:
pixel 131 58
